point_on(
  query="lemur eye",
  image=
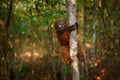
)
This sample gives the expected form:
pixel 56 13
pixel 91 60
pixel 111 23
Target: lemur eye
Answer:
pixel 61 27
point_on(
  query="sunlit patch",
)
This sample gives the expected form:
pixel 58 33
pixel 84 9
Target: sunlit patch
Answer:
pixel 96 64
pixel 88 45
pixel 28 54
pixel 103 71
pixel 15 55
pixel 98 78
pixel 36 54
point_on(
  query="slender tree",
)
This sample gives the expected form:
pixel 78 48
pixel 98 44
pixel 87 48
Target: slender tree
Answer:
pixel 93 38
pixel 73 38
pixel 5 41
pixel 84 34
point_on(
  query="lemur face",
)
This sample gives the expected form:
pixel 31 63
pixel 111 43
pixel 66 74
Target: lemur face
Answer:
pixel 61 25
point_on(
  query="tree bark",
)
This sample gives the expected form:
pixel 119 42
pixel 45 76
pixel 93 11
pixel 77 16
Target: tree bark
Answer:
pixel 5 41
pixel 93 42
pixel 71 4
pixel 84 34
pixel 93 38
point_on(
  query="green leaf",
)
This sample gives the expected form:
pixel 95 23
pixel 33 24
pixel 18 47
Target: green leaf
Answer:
pixel 67 70
pixel 47 13
pixel 22 31
pixel 15 28
pixel 25 30
pixel 34 18
pixel 44 23
pixel 24 22
pixel 20 67
pixel 56 14
pixel 28 31
pixel 31 17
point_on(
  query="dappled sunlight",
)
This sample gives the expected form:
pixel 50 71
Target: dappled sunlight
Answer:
pixel 96 64
pixel 101 75
pixel 26 54
pixel 29 56
pixel 98 78
pixel 88 45
pixel 103 71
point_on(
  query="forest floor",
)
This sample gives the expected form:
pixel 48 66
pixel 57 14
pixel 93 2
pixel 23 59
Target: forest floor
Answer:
pixel 107 69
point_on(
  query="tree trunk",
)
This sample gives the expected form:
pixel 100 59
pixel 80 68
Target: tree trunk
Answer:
pixel 73 39
pixel 84 34
pixel 5 41
pixel 52 50
pixel 119 41
pixel 93 40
